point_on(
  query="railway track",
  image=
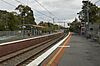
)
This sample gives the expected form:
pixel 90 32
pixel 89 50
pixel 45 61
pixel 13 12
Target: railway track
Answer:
pixel 25 56
pixel 45 48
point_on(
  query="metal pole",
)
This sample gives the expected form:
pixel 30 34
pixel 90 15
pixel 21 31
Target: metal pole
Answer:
pixel 88 12
pixel 87 23
pixel 64 24
pixel 23 26
pixel 53 21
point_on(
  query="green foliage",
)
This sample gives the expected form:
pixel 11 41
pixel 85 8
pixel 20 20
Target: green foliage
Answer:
pixel 75 26
pixel 13 21
pixel 8 21
pixel 27 13
pixel 48 26
pixel 92 9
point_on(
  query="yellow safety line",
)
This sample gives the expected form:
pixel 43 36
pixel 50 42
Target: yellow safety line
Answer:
pixel 51 61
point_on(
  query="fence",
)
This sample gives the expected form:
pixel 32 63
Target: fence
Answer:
pixel 94 31
pixel 16 35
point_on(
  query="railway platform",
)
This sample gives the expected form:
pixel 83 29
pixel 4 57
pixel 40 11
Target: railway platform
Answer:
pixel 75 51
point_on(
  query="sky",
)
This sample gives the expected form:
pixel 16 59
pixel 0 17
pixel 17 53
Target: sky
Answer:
pixel 62 10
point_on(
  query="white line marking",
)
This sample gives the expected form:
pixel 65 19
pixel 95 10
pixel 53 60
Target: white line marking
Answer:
pixel 41 58
pixel 65 46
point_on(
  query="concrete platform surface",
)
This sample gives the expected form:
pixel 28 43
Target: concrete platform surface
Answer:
pixel 82 52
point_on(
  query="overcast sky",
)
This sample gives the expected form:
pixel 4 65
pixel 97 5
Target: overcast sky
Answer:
pixel 63 10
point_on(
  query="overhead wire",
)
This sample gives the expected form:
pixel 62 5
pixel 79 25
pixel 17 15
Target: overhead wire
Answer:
pixel 44 8
pixel 18 1
pixel 8 3
pixel 36 10
pixel 40 18
pixel 32 8
pixel 42 13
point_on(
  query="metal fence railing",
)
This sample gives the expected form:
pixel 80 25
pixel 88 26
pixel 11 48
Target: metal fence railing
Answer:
pixel 16 35
pixel 6 36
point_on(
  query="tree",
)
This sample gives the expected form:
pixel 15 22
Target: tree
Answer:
pixel 9 21
pixel 27 13
pixel 75 26
pixel 48 26
pixel 13 21
pixel 91 9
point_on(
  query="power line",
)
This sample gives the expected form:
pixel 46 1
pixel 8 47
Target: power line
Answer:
pixel 47 10
pixel 44 7
pixel 40 18
pixel 36 10
pixel 42 13
pixel 33 9
pixel 18 1
pixel 8 3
